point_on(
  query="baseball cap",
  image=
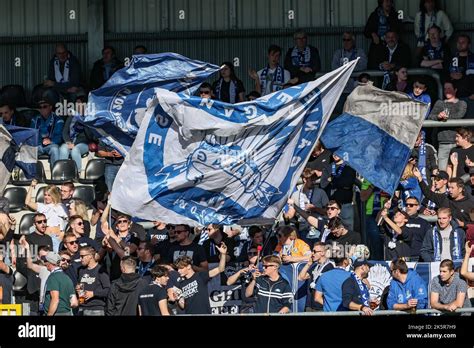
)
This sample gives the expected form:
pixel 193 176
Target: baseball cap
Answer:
pixel 51 258
pixel 442 175
pixel 360 262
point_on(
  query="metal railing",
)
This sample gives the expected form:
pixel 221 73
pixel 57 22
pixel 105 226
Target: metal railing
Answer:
pixel 433 312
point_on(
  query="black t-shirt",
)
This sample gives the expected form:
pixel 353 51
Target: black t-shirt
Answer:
pixel 149 298
pixel 462 153
pixel 350 238
pixel 194 251
pixel 163 248
pixel 318 163
pixel 223 94
pixel 39 239
pixel 159 236
pixel 6 282
pixel 415 231
pixel 96 280
pixel 212 254
pixel 195 293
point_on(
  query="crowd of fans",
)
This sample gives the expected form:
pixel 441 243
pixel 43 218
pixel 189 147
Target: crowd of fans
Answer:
pixel 62 268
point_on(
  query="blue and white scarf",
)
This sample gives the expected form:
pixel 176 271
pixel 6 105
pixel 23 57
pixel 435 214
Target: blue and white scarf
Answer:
pixel 64 77
pixel 75 128
pixel 301 58
pixel 456 252
pixel 276 81
pixel 383 26
pixel 364 291
pixel 232 90
pixel 423 29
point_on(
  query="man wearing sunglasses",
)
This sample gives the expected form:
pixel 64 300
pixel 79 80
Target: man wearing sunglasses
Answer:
pixel 416 227
pixel 39 236
pixel 205 91
pixel 76 226
pixel 273 293
pixel 50 128
pixel 96 284
pixel 186 247
pixel 312 271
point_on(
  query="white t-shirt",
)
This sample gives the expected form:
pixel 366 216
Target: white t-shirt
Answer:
pixel 446 251
pixel 269 86
pixel 56 214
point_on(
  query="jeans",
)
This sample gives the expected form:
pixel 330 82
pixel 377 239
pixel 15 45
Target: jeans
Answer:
pixel 52 150
pixel 347 215
pixel 92 312
pixel 374 238
pixel 443 155
pixel 76 153
pixel 110 174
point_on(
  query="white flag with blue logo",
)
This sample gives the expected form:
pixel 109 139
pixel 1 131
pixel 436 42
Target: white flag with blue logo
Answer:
pixel 200 161
pixel 376 133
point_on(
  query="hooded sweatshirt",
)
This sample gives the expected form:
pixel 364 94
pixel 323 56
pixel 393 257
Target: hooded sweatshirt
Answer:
pixel 413 287
pixel 123 296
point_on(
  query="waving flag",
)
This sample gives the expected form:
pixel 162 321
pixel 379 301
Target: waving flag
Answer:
pixel 115 110
pixel 7 157
pixel 201 161
pixel 26 140
pixel 376 133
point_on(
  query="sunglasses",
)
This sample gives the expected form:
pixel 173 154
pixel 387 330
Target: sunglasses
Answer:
pixel 44 106
pixel 66 260
pixel 252 253
pixel 40 222
pixel 122 221
pixel 266 266
pixel 72 242
pixel 80 223
pixel 332 208
pixel 411 205
pixel 204 92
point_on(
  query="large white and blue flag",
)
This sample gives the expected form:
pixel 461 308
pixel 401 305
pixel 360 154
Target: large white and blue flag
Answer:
pixel 376 133
pixel 7 157
pixel 114 109
pixel 199 161
pixel 26 141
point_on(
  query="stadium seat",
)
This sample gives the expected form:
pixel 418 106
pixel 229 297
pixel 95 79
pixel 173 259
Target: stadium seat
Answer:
pixel 63 170
pixel 85 193
pixel 16 197
pixel 94 171
pixel 40 195
pixel 23 181
pixel 14 94
pixel 26 222
pixel 28 113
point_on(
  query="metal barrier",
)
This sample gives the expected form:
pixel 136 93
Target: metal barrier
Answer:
pixel 9 308
pixel 449 123
pixel 416 72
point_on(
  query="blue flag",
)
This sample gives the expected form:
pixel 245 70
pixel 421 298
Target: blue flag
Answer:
pixel 26 141
pixel 376 133
pixel 115 110
pixel 200 161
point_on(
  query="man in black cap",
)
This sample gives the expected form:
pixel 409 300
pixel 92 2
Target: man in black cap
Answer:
pixel 439 185
pixel 355 291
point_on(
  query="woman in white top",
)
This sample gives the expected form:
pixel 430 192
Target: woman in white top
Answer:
pixel 53 209
pixel 430 15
